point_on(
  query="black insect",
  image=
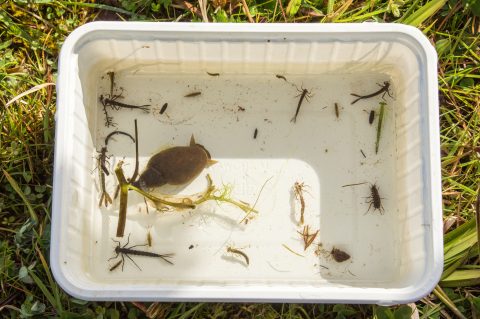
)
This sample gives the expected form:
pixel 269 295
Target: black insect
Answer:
pixel 193 94
pixel 371 117
pixel 375 200
pixel 361 151
pixel 114 104
pixel 126 251
pixel 337 111
pixel 255 133
pixel 385 89
pixel 164 107
pixel 339 255
pixel 213 74
pixel 281 77
pixel 305 94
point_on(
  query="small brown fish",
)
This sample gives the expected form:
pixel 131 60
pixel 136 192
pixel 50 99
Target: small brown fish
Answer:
pixel 175 166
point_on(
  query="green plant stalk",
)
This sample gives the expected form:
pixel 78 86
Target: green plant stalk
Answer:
pixel 459 246
pixel 477 219
pixel 330 6
pixel 208 195
pixel 424 12
pixel 158 200
pixel 379 127
pixel 46 292
pixel 444 298
pixel 407 13
pixel 462 278
pixel 453 266
pixel 122 213
pixel 15 186
pixel 52 283
pixel 124 188
pixel 459 231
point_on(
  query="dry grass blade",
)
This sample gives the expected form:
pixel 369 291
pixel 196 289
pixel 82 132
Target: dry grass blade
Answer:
pixel 448 302
pixel 477 219
pixel 203 9
pixel 307 237
pixel 247 11
pixel 30 91
pixel 335 15
pixel 292 251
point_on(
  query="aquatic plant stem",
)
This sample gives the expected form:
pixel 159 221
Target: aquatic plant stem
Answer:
pixel 122 213
pixel 379 127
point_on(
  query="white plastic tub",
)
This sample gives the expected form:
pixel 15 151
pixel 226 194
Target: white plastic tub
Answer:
pixel 396 256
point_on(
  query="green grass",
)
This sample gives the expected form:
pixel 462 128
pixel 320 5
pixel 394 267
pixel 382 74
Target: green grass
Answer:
pixel 31 34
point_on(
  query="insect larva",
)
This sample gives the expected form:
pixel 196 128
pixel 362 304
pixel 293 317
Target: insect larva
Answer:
pixel 213 74
pixel 126 251
pixel 239 252
pixel 305 94
pixel 337 111
pixel 149 238
pixel 298 189
pixel 193 94
pixel 255 133
pixel 385 89
pixel 371 117
pixel 164 107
